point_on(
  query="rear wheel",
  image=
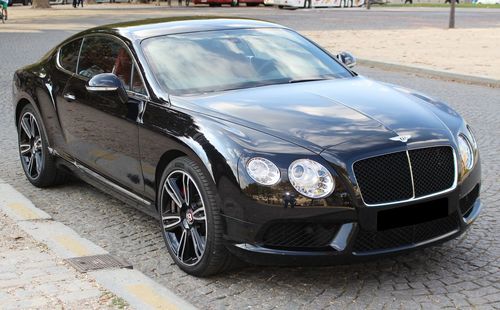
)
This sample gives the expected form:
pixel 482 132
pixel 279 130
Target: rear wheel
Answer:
pixel 38 164
pixel 190 220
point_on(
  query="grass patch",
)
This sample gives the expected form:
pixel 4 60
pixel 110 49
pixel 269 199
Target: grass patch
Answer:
pixel 119 302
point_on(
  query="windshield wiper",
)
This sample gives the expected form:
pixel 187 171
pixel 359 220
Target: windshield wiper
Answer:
pixel 307 80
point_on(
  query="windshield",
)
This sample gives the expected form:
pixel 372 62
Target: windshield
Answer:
pixel 200 62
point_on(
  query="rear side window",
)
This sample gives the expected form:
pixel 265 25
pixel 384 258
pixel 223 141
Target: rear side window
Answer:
pixel 68 55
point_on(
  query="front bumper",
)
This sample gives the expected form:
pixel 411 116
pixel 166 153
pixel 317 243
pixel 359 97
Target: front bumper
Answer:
pixel 358 233
pixel 262 228
pixel 342 249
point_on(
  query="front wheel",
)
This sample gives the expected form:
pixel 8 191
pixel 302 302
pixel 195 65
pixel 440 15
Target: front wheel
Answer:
pixel 190 220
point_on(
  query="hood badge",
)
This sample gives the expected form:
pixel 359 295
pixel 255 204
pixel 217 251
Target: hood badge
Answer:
pixel 403 138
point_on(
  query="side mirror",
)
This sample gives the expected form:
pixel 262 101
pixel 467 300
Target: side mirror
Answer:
pixel 108 83
pixel 347 59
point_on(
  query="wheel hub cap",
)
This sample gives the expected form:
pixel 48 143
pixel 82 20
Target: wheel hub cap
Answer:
pixel 190 217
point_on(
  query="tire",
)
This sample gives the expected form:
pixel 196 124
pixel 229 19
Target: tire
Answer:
pixel 38 164
pixel 202 252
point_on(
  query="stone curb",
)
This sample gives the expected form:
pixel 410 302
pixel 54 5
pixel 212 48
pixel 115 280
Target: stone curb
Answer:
pixel 456 77
pixel 140 291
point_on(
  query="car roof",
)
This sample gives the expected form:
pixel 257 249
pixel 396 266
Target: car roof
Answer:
pixel 146 28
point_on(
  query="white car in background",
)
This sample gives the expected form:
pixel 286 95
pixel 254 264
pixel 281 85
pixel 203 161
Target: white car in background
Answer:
pixel 488 2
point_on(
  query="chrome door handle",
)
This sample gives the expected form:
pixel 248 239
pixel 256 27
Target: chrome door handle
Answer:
pixel 69 97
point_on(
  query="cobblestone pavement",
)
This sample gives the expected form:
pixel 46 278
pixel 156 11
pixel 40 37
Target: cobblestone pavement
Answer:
pixel 31 277
pixel 463 273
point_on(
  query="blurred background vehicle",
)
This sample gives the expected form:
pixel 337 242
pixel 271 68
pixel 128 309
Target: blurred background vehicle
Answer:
pixel 229 2
pixel 321 3
pixel 488 2
pixel 23 2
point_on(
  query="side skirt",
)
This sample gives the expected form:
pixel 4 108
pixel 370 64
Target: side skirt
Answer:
pixel 107 186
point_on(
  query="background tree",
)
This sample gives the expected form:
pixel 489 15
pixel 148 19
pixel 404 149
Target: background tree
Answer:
pixel 40 4
pixel 452 14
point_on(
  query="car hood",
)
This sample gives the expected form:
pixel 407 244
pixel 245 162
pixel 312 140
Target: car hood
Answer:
pixel 343 115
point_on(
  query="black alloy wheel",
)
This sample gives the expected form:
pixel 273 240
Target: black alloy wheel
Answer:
pixel 37 163
pixel 190 222
pixel 30 145
pixel 184 221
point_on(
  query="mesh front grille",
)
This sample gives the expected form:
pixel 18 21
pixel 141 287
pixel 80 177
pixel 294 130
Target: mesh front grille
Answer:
pixel 299 235
pixel 433 170
pixel 388 178
pixel 384 178
pixel 467 202
pixel 404 236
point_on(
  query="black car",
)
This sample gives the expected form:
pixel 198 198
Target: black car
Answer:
pixel 248 142
pixel 23 2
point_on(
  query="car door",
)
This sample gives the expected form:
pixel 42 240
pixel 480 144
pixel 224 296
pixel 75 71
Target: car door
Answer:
pixel 101 132
pixel 64 67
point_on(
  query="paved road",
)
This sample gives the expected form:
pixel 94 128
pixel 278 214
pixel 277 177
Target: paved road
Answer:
pixel 463 273
pixel 305 19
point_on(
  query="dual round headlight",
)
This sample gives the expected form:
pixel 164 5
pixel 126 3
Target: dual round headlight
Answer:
pixel 308 177
pixel 311 178
pixel 263 171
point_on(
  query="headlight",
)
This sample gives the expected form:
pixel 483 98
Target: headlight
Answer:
pixel 466 153
pixel 473 139
pixel 263 171
pixel 310 178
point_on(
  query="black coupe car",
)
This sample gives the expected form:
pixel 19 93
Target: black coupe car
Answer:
pixel 247 140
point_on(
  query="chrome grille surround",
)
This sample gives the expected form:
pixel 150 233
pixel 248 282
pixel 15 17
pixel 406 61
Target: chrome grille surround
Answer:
pixel 413 198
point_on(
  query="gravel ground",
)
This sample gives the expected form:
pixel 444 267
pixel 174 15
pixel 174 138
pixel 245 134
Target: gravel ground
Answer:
pixel 464 273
